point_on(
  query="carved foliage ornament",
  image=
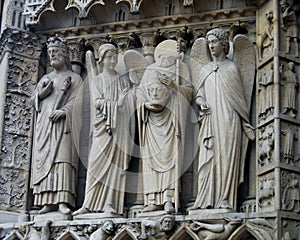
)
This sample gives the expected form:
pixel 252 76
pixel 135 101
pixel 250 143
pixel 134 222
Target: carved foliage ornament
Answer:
pixel 34 9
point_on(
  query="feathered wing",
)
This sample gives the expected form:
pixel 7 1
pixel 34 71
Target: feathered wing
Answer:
pixel 200 55
pixel 135 64
pixel 244 58
pixel 87 109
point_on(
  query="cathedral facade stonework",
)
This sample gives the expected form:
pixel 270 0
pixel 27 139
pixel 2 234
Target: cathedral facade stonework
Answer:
pixel 149 119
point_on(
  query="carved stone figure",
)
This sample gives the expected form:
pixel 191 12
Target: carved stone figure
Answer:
pixel 266 145
pixel 266 99
pixel 265 39
pixel 262 90
pixel 223 113
pixel 209 231
pixel 112 105
pixel 104 232
pixel 163 98
pixel 288 147
pixel 266 191
pixel 289 22
pixel 291 194
pixel 57 102
pixel 158 230
pixel 290 82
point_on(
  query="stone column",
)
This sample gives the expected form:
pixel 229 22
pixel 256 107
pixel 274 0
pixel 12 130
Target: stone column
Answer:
pixel 19 62
pixel 278 168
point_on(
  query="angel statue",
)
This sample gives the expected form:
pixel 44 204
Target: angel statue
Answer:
pixel 112 127
pixel 223 96
pixel 163 97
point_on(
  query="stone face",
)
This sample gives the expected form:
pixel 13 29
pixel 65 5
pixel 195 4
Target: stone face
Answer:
pixel 265 205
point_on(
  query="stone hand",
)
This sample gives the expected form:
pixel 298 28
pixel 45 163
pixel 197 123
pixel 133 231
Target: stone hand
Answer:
pixel 153 107
pixel 46 90
pixel 56 115
pixel 204 107
pixel 122 97
pixel 169 83
pixel 249 130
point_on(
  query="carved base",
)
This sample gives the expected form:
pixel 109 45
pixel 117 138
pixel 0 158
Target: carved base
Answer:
pixel 209 213
pixel 151 214
pixel 53 216
pixel 88 216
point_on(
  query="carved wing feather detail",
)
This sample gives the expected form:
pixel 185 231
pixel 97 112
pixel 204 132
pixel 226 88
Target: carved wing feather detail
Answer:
pixel 135 64
pixel 244 58
pixel 200 55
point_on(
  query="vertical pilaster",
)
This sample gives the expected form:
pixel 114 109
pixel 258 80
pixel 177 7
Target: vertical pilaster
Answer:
pixel 278 168
pixel 20 53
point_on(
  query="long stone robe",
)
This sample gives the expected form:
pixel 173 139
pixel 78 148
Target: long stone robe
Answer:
pixel 162 136
pixel 221 137
pixel 110 153
pixel 55 156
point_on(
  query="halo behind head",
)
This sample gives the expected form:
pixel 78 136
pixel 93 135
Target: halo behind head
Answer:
pixel 165 47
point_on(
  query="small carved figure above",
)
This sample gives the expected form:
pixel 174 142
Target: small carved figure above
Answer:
pixel 134 41
pixel 290 85
pixel 265 40
pixel 289 25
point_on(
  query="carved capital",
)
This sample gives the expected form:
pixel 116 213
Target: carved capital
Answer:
pixel 20 42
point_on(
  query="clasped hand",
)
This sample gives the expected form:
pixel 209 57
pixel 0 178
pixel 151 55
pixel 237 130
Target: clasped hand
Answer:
pixel 46 90
pixel 57 114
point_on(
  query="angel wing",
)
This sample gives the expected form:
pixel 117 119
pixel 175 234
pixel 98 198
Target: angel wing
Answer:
pixel 87 110
pixel 135 64
pixel 200 55
pixel 244 58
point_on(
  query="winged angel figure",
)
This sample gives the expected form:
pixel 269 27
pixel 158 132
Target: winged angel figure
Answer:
pixel 223 89
pixel 112 110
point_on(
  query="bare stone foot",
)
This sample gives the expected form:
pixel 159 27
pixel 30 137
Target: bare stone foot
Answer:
pixel 45 209
pixel 151 208
pixel 82 210
pixel 109 209
pixel 64 209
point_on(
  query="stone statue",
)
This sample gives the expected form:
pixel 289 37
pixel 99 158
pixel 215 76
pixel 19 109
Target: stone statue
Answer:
pixel 158 230
pixel 289 25
pixel 163 98
pixel 290 82
pixel 57 104
pixel 112 128
pixel 223 114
